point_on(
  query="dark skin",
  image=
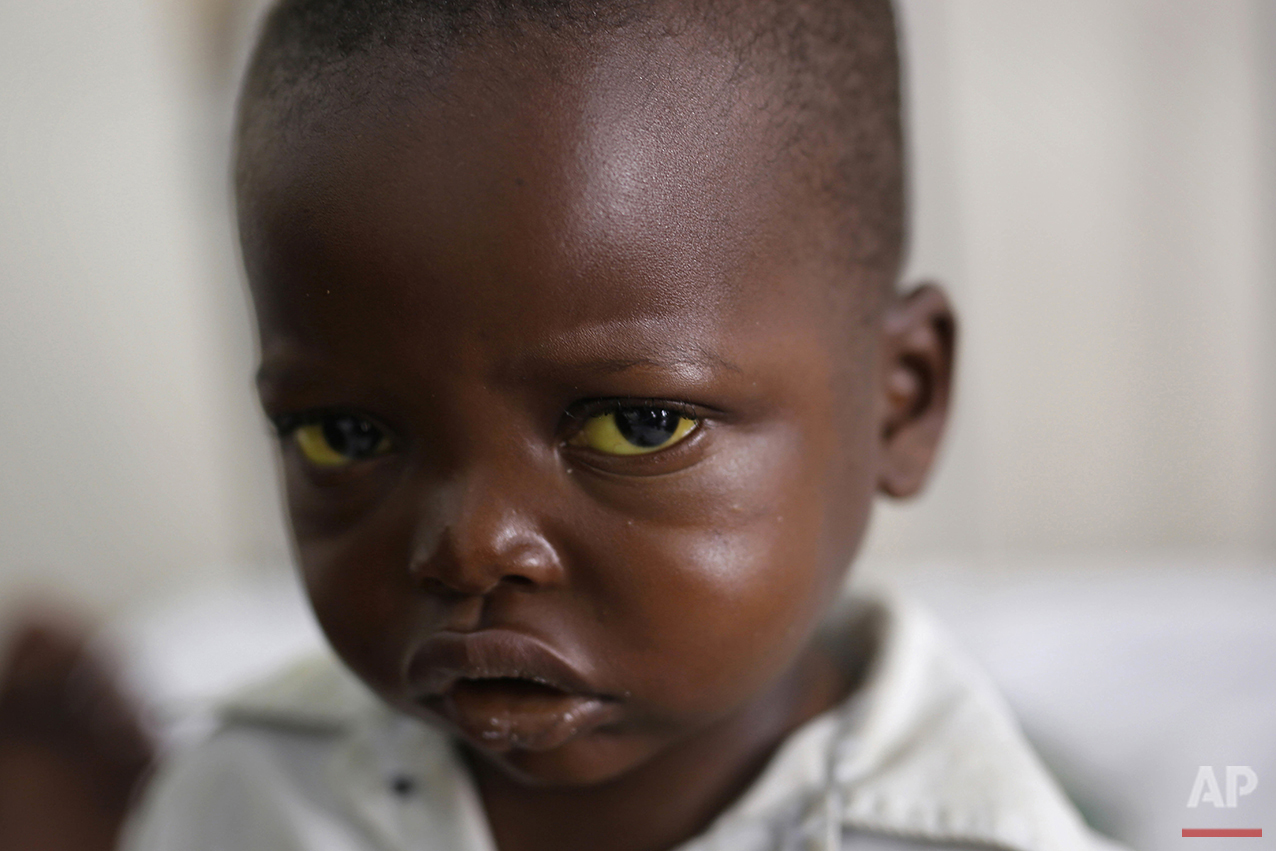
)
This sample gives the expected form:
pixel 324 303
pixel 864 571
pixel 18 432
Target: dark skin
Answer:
pixel 458 290
pixel 474 281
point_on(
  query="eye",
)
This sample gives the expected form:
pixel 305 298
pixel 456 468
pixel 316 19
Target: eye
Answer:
pixel 336 440
pixel 634 430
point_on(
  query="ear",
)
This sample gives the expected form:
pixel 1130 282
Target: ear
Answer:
pixel 919 333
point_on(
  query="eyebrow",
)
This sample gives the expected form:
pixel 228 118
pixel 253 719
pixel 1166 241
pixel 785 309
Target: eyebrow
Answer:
pixel 276 364
pixel 701 360
pixel 289 367
pixel 613 348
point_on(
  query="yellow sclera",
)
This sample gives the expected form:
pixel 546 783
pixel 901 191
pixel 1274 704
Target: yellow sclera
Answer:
pixel 602 434
pixel 315 447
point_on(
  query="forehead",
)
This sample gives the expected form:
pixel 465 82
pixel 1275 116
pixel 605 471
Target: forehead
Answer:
pixel 620 180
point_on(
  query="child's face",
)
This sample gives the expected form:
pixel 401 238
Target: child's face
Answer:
pixel 475 310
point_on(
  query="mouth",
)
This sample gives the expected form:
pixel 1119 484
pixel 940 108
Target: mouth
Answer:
pixel 504 691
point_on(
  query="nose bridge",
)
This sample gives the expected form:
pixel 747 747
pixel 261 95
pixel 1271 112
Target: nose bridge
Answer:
pixel 486 526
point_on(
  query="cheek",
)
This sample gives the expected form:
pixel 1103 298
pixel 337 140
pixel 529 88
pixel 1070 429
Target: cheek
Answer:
pixel 709 582
pixel 354 570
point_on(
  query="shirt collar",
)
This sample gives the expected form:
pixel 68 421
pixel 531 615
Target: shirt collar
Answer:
pixel 925 748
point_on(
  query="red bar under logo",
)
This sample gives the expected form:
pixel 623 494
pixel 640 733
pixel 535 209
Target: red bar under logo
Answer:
pixel 1223 831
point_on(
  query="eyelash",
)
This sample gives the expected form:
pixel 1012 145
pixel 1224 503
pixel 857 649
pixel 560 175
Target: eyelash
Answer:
pixel 285 425
pixel 582 411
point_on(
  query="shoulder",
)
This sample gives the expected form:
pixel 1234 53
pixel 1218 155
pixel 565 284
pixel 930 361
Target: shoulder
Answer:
pixel 271 774
pixel 924 754
pixel 930 749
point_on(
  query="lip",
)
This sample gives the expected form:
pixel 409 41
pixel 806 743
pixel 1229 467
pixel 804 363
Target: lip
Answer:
pixel 504 690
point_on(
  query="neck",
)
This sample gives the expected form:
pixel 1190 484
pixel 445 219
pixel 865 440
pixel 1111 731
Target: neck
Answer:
pixel 673 796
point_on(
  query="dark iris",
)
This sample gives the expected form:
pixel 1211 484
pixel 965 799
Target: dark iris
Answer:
pixel 647 427
pixel 351 436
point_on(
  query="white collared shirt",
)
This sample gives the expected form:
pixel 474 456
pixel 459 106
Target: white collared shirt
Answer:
pixel 923 755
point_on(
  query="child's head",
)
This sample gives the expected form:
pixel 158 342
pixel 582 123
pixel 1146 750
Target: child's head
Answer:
pixel 579 325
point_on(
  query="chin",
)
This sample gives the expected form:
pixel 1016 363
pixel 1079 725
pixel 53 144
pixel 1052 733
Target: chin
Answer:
pixel 591 760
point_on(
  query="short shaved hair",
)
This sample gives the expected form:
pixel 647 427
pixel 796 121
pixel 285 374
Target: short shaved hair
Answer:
pixel 834 65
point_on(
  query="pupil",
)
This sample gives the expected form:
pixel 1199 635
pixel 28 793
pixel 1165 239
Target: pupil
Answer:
pixel 647 427
pixel 351 436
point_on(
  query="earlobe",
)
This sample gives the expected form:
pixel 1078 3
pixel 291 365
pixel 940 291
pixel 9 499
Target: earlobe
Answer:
pixel 919 334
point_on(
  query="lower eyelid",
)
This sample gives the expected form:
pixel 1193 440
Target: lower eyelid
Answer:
pixel 679 458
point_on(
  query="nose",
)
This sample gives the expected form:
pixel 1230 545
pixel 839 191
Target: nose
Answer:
pixel 481 532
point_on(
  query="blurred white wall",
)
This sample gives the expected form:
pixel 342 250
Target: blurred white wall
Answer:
pixel 1093 180
pixel 123 413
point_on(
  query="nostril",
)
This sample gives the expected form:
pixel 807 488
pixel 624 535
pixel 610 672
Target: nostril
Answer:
pixel 463 562
pixel 437 587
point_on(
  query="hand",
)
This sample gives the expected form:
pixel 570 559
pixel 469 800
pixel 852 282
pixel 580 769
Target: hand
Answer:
pixel 73 752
